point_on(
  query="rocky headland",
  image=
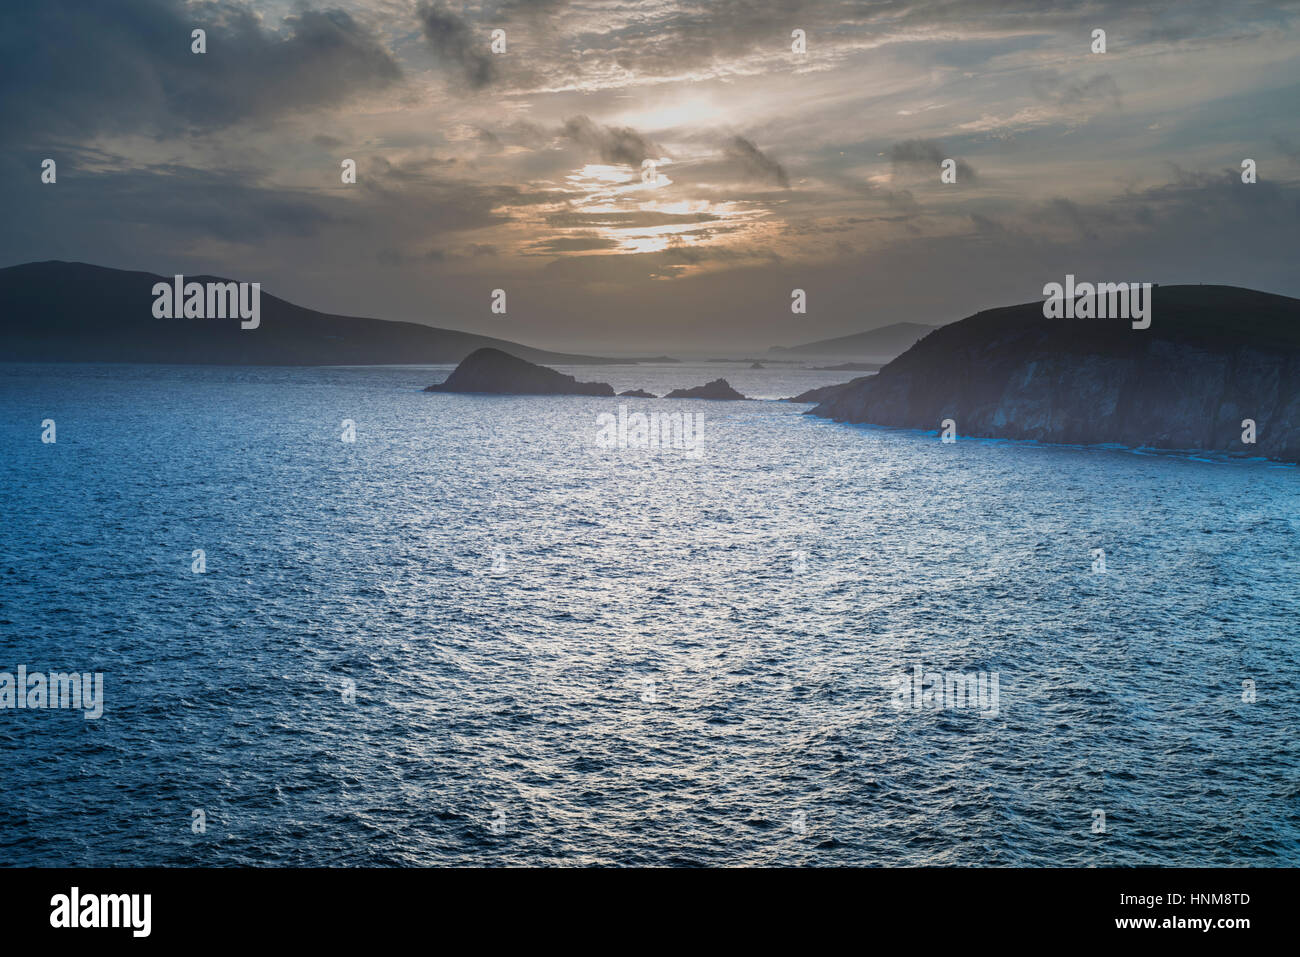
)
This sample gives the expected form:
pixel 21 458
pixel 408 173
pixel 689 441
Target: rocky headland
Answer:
pixel 1217 366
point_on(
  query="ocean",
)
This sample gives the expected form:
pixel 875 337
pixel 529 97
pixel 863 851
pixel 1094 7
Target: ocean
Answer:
pixel 472 635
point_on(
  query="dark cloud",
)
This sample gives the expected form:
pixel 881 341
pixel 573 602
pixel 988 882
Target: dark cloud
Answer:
pixel 690 254
pixel 1175 223
pixel 1067 211
pixel 389 256
pixel 461 254
pixel 928 153
pixel 524 133
pixel 1219 202
pixel 987 225
pixel 1288 149
pixel 149 211
pixel 458 45
pixel 900 199
pixel 754 163
pixel 158 211
pixel 613 144
pixel 571 244
pixel 69 68
pixel 1101 89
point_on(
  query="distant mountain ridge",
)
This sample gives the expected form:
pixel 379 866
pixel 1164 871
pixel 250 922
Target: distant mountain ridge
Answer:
pixel 1212 357
pixel 58 311
pixel 887 342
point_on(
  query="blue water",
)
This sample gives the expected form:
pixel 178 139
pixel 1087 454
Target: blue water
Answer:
pixel 573 655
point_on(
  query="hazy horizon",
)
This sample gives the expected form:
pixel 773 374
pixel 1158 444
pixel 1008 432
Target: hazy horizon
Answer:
pixel 688 352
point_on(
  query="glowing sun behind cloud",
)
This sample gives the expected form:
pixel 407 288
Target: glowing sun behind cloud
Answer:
pixel 611 209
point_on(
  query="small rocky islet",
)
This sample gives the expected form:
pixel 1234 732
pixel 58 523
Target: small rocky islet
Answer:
pixel 490 371
pixel 1216 370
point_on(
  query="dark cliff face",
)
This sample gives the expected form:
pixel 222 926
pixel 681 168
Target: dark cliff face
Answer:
pixel 494 371
pixel 826 392
pixel 1213 356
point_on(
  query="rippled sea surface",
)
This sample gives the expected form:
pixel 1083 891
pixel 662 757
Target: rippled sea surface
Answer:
pixel 564 654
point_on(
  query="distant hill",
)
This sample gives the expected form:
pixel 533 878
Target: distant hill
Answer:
pixel 885 342
pixel 1213 356
pixel 73 312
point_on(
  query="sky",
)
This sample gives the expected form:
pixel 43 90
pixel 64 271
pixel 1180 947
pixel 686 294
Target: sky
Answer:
pixel 773 169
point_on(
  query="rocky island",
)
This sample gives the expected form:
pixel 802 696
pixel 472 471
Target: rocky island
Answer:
pixel 717 389
pixel 499 373
pixel 1218 367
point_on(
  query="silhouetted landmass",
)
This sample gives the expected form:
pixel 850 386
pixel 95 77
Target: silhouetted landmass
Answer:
pixel 1212 357
pixel 74 312
pixel 887 341
pixel 850 367
pixel 717 389
pixel 822 393
pixel 638 394
pixel 497 372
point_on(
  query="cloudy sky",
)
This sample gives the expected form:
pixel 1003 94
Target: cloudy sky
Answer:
pixel 774 170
